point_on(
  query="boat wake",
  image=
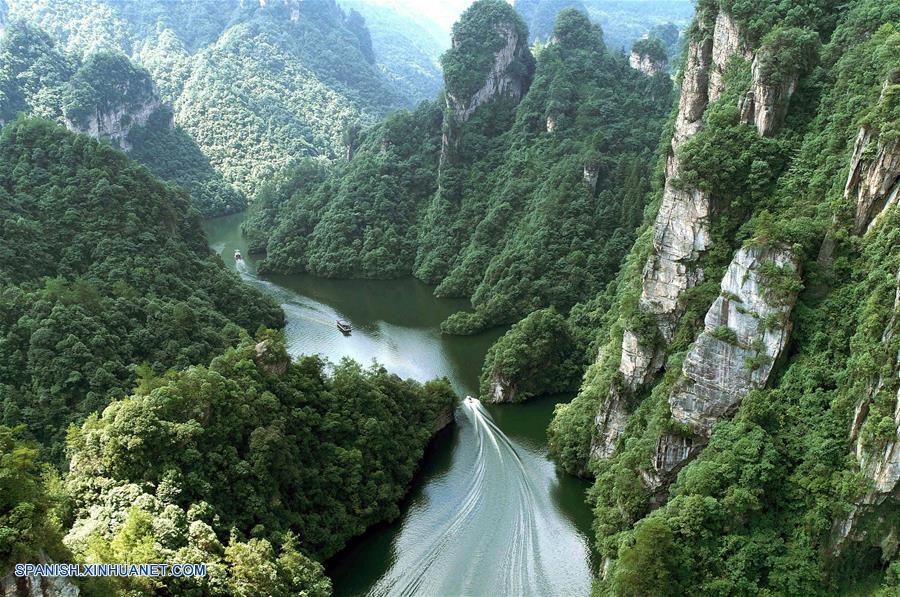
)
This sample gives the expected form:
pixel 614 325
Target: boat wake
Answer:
pixel 498 529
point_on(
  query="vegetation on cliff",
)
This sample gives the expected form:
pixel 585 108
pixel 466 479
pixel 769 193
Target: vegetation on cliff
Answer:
pixel 102 268
pixel 761 507
pixel 536 208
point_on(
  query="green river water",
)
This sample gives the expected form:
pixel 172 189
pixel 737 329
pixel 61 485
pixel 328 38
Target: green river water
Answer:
pixel 488 513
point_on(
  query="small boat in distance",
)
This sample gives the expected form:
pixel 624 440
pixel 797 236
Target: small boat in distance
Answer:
pixel 344 326
pixel 237 256
pixel 469 400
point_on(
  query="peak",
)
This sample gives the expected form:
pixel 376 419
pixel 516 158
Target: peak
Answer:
pixel 488 38
pixel 574 29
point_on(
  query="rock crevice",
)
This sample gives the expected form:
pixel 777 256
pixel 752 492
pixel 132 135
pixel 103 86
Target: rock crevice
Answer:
pixel 766 103
pixel 874 180
pixel 745 332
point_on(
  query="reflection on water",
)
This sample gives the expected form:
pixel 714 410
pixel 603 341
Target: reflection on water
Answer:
pixel 489 513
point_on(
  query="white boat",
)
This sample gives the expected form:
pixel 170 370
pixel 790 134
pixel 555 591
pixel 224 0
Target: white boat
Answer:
pixel 237 256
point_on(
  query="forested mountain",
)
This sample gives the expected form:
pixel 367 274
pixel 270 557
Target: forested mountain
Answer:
pixel 211 447
pixel 104 277
pixel 521 191
pixel 741 418
pixel 240 89
pixel 110 98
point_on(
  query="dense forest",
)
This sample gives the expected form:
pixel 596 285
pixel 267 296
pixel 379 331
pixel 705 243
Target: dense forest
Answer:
pixel 740 418
pixel 118 329
pixel 714 275
pixel 516 204
pixel 215 96
pixel 105 277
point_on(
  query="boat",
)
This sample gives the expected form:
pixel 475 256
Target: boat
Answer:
pixel 237 256
pixel 470 400
pixel 344 326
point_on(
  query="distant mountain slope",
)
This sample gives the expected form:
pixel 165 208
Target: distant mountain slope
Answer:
pixel 623 21
pixel 108 97
pixel 253 85
pixel 407 48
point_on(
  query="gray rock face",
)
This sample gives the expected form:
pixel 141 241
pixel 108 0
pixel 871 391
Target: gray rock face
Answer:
pixel 590 175
pixel 727 42
pixel 115 125
pixel 638 364
pixel 501 389
pixel 609 425
pixel 882 466
pixel 645 64
pixel 292 5
pixel 271 360
pixel 501 81
pixel 766 103
pixel 874 180
pixel 746 329
pixel 681 230
pixel 37 586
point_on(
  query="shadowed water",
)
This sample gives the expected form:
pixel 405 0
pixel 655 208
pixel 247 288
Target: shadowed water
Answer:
pixel 489 514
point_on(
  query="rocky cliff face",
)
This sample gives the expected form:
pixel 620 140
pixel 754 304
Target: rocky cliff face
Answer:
pixel 610 423
pixel 292 6
pixel 727 42
pixel 681 231
pixel 37 586
pixel 766 103
pixel 881 464
pixel 874 180
pixel 746 330
pixel 503 80
pixel 501 389
pixel 500 81
pixel 115 124
pixel 646 64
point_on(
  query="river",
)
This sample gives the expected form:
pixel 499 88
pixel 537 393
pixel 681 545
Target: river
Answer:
pixel 488 513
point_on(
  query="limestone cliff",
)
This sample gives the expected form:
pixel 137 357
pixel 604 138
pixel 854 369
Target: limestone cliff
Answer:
pixel 879 463
pixel 874 180
pixel 681 230
pixel 501 81
pixel 114 124
pixel 501 389
pixel 508 75
pixel 745 331
pixel 109 97
pixel 291 6
pixel 766 103
pixel 647 64
pixel 37 586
